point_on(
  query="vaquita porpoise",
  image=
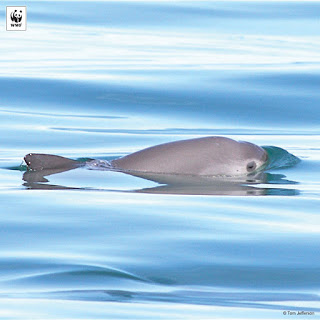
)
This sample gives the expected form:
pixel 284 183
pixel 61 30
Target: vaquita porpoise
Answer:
pixel 208 156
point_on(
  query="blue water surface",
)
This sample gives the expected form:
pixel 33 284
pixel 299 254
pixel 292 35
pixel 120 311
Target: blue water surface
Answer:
pixel 102 79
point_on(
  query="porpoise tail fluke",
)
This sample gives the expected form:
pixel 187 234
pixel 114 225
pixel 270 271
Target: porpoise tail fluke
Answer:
pixel 38 161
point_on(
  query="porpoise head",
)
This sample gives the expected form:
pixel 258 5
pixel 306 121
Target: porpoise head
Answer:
pixel 255 157
pixel 234 158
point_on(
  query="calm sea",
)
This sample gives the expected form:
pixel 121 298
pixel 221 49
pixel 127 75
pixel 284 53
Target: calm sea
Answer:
pixel 103 79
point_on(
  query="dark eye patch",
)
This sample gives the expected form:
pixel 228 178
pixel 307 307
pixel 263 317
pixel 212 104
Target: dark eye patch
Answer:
pixel 251 166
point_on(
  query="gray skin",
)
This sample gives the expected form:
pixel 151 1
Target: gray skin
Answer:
pixel 210 156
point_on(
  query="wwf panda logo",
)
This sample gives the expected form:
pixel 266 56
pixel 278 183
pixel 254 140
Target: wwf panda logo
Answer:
pixel 16 16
